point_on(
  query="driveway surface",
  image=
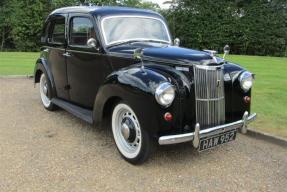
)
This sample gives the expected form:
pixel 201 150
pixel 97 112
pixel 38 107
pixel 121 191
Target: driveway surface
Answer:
pixel 54 151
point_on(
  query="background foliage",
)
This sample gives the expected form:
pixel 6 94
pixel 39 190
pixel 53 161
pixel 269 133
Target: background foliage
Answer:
pixel 254 27
pixel 21 21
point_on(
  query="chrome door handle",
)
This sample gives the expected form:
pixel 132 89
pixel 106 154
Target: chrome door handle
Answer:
pixel 67 54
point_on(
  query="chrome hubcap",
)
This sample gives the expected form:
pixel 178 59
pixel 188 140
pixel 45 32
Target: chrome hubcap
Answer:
pixel 45 88
pixel 128 129
pixel 125 131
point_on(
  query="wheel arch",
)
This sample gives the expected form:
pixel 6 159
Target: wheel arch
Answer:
pixel 108 108
pixel 41 66
pixel 37 75
pixel 133 87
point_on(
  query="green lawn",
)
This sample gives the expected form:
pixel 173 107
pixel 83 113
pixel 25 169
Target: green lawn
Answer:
pixel 269 93
pixel 17 63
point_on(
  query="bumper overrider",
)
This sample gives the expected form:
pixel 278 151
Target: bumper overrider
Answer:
pixel 198 134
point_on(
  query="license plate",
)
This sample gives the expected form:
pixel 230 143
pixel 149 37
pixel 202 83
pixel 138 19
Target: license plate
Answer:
pixel 210 142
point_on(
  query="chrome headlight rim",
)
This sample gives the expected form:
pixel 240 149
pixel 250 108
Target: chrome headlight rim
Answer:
pixel 246 81
pixel 165 94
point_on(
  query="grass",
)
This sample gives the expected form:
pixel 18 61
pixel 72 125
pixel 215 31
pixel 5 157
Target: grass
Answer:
pixel 17 63
pixel 269 94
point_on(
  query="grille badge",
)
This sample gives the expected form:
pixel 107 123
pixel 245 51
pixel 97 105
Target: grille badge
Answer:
pixel 218 83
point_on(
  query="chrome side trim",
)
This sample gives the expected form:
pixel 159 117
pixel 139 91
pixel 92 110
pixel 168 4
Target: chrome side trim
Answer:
pixel 198 134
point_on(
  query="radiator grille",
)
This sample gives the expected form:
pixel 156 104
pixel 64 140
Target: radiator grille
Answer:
pixel 209 95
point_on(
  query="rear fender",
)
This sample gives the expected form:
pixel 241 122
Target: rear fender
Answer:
pixel 41 66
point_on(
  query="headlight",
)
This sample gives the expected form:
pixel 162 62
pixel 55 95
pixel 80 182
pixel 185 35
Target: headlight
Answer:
pixel 164 94
pixel 246 80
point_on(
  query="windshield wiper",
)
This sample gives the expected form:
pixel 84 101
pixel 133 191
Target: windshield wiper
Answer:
pixel 154 41
pixel 123 42
pixel 134 41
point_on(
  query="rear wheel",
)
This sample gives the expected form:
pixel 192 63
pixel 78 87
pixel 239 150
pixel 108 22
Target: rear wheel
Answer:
pixel 132 141
pixel 45 93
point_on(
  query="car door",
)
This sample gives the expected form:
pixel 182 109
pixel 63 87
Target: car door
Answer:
pixel 56 53
pixel 87 67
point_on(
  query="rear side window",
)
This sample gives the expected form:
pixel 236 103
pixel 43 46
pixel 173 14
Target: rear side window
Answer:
pixel 45 32
pixel 82 29
pixel 57 31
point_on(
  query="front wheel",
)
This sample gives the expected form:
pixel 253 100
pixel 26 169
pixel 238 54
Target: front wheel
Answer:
pixel 132 141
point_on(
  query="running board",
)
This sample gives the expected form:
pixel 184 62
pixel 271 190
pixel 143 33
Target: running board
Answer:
pixel 82 113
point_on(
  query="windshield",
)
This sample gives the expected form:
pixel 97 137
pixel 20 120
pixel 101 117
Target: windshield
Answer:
pixel 129 28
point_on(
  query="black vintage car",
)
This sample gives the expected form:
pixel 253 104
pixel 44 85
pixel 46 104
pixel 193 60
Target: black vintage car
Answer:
pixel 120 66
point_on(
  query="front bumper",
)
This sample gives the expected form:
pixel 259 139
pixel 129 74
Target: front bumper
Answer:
pixel 198 134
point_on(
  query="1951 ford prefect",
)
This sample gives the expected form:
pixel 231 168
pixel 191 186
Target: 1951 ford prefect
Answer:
pixel 120 67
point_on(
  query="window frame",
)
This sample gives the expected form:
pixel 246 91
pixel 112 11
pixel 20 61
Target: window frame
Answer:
pixel 51 26
pixel 71 17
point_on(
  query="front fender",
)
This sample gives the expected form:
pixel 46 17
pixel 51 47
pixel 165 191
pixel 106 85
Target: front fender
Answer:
pixel 234 95
pixel 135 86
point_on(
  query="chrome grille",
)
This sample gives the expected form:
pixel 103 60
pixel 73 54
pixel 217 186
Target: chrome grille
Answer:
pixel 209 95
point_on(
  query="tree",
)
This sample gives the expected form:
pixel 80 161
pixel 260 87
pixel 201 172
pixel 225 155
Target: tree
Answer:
pixel 27 21
pixel 250 27
pixel 22 20
pixel 5 26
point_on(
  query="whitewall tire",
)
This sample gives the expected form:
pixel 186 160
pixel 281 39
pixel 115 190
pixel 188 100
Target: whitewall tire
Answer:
pixel 132 141
pixel 45 92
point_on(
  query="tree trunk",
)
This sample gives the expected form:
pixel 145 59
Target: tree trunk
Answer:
pixel 2 40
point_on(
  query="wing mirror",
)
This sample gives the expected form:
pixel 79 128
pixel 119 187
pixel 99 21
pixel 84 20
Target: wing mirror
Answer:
pixel 93 43
pixel 176 42
pixel 226 50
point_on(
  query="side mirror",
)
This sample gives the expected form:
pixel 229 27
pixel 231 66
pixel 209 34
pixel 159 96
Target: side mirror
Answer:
pixel 226 50
pixel 92 43
pixel 176 42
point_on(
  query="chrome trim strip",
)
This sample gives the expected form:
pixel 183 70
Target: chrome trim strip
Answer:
pixel 181 138
pixel 211 99
pixel 86 52
pixel 49 47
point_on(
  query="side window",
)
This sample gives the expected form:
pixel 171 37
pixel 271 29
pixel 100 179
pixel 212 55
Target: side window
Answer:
pixel 57 31
pixel 81 29
pixel 45 32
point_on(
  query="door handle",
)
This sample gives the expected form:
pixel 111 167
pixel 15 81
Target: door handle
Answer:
pixel 67 54
pixel 46 50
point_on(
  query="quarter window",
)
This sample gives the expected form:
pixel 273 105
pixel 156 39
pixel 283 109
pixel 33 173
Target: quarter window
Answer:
pixel 82 29
pixel 58 31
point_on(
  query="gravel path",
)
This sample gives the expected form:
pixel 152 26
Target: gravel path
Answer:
pixel 54 151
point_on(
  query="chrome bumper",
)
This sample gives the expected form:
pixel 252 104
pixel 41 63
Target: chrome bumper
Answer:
pixel 198 134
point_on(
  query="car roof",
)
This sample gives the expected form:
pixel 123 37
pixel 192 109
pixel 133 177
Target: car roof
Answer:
pixel 102 11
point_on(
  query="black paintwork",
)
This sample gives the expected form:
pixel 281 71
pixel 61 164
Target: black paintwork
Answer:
pixel 79 112
pixel 94 79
